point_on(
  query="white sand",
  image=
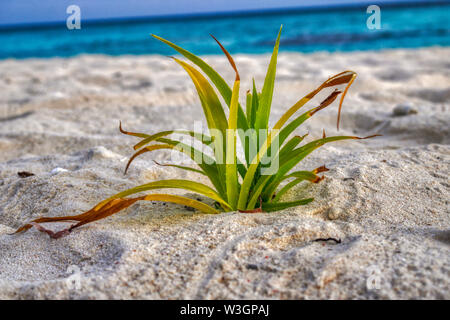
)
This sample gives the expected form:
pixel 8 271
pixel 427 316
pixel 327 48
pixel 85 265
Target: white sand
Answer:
pixel 385 198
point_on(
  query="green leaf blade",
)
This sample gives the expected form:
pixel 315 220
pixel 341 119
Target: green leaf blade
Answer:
pixel 215 78
pixel 231 157
pixel 171 184
pixel 265 101
pixel 269 207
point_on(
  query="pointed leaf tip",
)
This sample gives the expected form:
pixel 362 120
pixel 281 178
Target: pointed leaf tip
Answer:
pixel 368 137
pixel 318 179
pixel 353 77
pixel 320 169
pixel 136 134
pixel 230 58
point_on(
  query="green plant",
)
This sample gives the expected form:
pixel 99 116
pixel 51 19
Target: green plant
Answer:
pixel 236 185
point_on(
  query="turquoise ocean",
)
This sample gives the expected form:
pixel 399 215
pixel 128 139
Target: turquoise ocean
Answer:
pixel 306 30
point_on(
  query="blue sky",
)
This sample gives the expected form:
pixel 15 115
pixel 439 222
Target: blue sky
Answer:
pixel 32 11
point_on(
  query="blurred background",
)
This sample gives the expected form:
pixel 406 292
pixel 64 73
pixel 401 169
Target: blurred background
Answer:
pixel 37 28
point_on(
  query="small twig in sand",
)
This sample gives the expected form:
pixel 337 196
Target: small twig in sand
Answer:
pixel 25 174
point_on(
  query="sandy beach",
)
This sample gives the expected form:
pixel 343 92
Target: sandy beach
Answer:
pixel 386 199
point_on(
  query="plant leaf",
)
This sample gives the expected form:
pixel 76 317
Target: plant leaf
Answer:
pixel 340 78
pixel 255 106
pixel 147 149
pixel 291 144
pixel 213 170
pixel 231 167
pixel 111 207
pixel 220 84
pixel 205 139
pixel 265 101
pixel 206 163
pixel 180 167
pixel 262 181
pixel 300 176
pixel 343 77
pixel 171 184
pixel 140 135
pixel 256 191
pixel 248 180
pixel 248 105
pixel 294 124
pixel 297 155
pixel 269 207
pixel 215 115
